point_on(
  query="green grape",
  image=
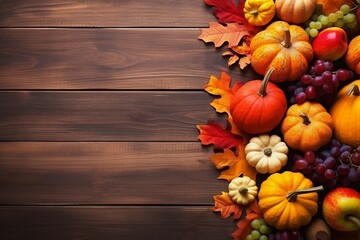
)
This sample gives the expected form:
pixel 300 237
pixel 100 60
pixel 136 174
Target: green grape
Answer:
pixel 312 24
pixel 256 224
pixel 350 17
pixel 352 25
pixel 307 30
pixel 339 14
pixel 249 237
pixel 345 9
pixel 313 32
pixel 255 234
pixel 264 237
pixel 263 229
pixel 332 17
pixel 339 23
pixel 325 20
pixel 318 25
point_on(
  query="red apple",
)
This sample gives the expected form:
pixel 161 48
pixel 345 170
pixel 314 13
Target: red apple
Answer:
pixel 341 209
pixel 330 44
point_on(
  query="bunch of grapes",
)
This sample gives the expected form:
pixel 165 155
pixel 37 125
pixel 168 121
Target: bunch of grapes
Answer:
pixel 320 84
pixel 285 235
pixel 260 230
pixel 343 18
pixel 334 165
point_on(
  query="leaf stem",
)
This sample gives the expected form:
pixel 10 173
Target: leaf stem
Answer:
pixel 291 197
pixel 262 91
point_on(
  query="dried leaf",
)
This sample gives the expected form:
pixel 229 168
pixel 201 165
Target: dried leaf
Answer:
pixel 243 226
pixel 244 61
pixel 232 165
pixel 214 133
pixel 226 206
pixel 239 53
pixel 219 34
pixel 227 11
pixel 232 60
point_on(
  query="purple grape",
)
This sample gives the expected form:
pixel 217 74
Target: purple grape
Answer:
pixel 345 147
pixel 317 81
pixel 355 158
pixel 309 156
pixel 328 65
pixel 358 171
pixel 320 168
pixel 330 162
pixel 328 87
pixel 300 98
pixel 318 161
pixel 335 143
pixel 319 68
pixel 310 92
pixel 298 90
pixel 335 151
pixel 327 76
pixel 306 79
pixel 335 81
pixel 329 174
pixel 345 157
pixel 301 164
pixel 343 74
pixel 353 176
pixel 343 169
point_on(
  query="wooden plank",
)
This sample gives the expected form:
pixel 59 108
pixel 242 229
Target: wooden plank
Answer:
pixel 107 173
pixel 108 13
pixel 108 59
pixel 113 223
pixel 103 115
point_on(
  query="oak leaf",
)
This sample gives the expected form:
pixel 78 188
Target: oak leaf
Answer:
pixel 226 206
pixel 240 54
pixel 233 165
pixel 214 133
pixel 227 11
pixel 219 34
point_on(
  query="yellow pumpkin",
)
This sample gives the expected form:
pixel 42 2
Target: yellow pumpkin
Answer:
pixel 307 126
pixel 288 200
pixel 285 48
pixel 295 11
pixel 346 114
pixel 259 12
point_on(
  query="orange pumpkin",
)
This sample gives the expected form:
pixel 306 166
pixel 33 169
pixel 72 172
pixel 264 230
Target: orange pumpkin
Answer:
pixel 352 57
pixel 307 126
pixel 284 47
pixel 294 11
pixel 258 106
pixel 331 6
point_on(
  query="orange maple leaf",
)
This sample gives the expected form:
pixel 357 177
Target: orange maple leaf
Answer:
pixel 243 226
pixel 226 206
pixel 219 34
pixel 221 87
pixel 232 165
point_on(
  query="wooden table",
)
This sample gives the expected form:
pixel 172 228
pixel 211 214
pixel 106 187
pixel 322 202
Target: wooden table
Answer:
pixel 99 102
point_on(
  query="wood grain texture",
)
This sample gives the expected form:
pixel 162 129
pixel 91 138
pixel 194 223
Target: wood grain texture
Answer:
pixel 107 173
pixel 108 59
pixel 103 115
pixel 104 13
pixel 113 223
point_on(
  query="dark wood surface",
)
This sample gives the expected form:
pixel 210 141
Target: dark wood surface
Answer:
pixel 99 102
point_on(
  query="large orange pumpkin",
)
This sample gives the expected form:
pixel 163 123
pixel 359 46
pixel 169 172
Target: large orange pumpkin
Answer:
pixel 352 57
pixel 284 47
pixel 258 106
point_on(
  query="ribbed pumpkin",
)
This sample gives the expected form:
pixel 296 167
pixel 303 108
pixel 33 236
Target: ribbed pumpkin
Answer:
pixel 258 106
pixel 352 57
pixel 288 200
pixel 294 11
pixel 259 12
pixel 346 114
pixel 284 47
pixel 307 126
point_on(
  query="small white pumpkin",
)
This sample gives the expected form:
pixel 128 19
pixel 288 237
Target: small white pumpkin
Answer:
pixel 268 154
pixel 243 190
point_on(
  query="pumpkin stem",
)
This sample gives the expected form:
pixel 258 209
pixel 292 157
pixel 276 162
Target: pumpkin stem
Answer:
pixel 268 152
pixel 291 197
pixel 262 91
pixel 354 220
pixel 243 190
pixel 287 41
pixel 353 89
pixel 305 118
pixel 254 12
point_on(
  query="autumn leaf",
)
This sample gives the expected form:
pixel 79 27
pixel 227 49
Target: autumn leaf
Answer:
pixel 232 165
pixel 243 226
pixel 214 133
pixel 226 206
pixel 219 34
pixel 221 87
pixel 240 54
pixel 227 11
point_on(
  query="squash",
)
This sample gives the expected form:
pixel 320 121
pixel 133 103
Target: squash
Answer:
pixel 307 126
pixel 284 47
pixel 331 6
pixel 259 12
pixel 346 114
pixel 268 154
pixel 242 190
pixel 288 200
pixel 295 11
pixel 258 106
pixel 352 56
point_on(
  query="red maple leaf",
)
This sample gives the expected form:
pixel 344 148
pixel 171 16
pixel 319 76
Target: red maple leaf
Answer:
pixel 226 206
pixel 227 11
pixel 214 133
